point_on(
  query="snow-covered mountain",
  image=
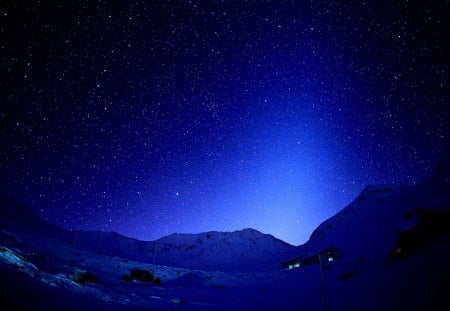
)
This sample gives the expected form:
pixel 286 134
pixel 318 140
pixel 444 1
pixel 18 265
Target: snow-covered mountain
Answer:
pixel 389 248
pixel 368 227
pixel 239 251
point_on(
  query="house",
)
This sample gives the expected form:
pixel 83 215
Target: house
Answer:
pixel 329 254
pixel 418 227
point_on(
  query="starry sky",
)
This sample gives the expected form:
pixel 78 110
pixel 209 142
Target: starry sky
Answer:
pixel 153 117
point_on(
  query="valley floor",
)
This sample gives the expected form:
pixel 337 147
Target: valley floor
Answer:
pixel 37 281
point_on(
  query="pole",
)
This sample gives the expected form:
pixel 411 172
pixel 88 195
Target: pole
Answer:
pixel 154 254
pixel 99 242
pixel 75 240
pixel 324 292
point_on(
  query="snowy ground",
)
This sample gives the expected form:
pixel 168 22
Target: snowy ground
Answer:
pixel 419 283
pixel 180 288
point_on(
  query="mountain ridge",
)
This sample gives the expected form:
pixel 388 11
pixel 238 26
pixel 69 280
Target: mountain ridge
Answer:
pixel 240 250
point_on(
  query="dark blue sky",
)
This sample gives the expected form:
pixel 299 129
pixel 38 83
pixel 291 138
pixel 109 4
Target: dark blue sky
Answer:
pixel 154 117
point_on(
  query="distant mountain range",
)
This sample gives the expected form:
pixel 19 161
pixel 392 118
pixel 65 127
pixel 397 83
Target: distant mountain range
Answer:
pixel 244 250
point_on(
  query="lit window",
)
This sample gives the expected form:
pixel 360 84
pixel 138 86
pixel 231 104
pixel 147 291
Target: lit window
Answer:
pixel 330 258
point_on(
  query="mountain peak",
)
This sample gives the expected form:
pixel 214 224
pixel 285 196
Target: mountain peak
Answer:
pixel 249 230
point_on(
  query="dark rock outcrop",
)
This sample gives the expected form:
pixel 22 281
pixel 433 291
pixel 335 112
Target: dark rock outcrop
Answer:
pixel 82 277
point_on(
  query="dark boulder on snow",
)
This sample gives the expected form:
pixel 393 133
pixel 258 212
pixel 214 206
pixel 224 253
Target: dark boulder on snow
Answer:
pixel 82 277
pixel 156 281
pixel 141 275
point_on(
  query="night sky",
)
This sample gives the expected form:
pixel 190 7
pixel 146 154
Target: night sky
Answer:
pixel 154 117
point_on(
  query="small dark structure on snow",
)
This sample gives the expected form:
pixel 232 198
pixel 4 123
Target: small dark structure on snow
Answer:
pixel 419 226
pixel 329 254
pixel 141 275
pixel 82 277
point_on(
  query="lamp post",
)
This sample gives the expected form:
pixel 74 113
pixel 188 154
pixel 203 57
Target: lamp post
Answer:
pixel 154 253
pixel 75 240
pixel 324 292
